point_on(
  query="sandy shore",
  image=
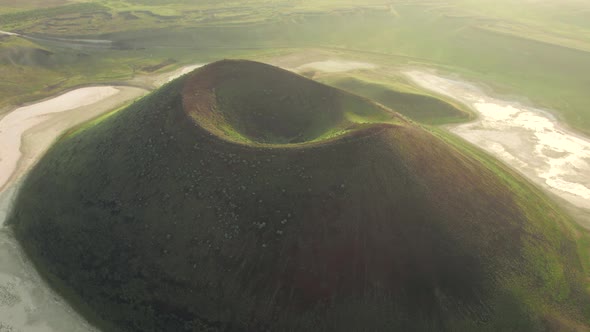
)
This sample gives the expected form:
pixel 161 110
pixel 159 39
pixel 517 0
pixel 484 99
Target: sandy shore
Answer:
pixel 27 132
pixel 528 139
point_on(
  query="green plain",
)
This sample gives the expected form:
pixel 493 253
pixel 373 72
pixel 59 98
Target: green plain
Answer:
pixel 542 55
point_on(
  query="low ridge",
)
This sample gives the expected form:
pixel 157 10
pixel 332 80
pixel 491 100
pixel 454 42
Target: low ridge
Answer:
pixel 242 197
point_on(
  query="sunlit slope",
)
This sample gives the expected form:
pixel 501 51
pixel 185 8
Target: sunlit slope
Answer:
pixel 184 212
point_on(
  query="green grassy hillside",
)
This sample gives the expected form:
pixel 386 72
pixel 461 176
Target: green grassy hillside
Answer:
pixel 198 209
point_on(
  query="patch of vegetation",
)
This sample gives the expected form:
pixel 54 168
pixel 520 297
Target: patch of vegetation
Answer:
pixel 158 223
pixel 7 20
pixel 418 107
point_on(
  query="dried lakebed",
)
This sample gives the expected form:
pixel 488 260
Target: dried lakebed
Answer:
pixel 529 139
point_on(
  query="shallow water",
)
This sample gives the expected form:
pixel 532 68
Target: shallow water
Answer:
pixel 529 139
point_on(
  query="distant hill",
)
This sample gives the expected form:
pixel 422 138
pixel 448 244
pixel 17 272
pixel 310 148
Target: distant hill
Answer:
pixel 243 197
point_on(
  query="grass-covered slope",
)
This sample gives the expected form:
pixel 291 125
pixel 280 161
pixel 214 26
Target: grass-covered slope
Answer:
pixel 184 212
pixel 418 107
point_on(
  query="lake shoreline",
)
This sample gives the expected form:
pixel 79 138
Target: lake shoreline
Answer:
pixel 32 304
pixel 530 140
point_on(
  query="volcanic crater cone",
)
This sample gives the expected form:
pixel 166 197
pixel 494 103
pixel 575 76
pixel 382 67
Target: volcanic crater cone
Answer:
pixel 243 197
